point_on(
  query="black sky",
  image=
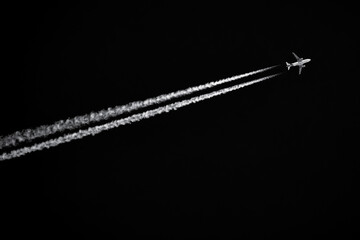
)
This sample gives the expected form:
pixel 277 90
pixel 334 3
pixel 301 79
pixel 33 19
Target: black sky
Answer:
pixel 274 160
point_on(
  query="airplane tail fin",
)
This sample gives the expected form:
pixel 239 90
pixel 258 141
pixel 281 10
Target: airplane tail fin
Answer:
pixel 288 65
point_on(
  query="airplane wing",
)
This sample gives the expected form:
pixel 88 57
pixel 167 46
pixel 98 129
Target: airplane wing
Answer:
pixel 300 67
pixel 297 58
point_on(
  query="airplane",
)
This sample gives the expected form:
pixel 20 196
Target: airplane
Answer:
pixel 300 62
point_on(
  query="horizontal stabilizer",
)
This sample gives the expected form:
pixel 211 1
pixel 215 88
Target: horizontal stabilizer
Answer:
pixel 288 65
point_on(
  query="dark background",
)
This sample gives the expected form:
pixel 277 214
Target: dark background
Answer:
pixel 273 160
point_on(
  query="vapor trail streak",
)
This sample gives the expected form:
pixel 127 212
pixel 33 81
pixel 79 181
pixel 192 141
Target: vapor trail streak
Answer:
pixel 81 121
pixel 128 120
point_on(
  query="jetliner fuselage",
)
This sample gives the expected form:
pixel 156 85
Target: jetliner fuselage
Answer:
pixel 302 62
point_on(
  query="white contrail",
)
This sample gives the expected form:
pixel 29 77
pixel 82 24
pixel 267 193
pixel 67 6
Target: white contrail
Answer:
pixel 81 121
pixel 128 120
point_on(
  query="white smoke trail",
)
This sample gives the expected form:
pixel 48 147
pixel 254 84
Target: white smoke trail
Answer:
pixel 128 120
pixel 81 121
